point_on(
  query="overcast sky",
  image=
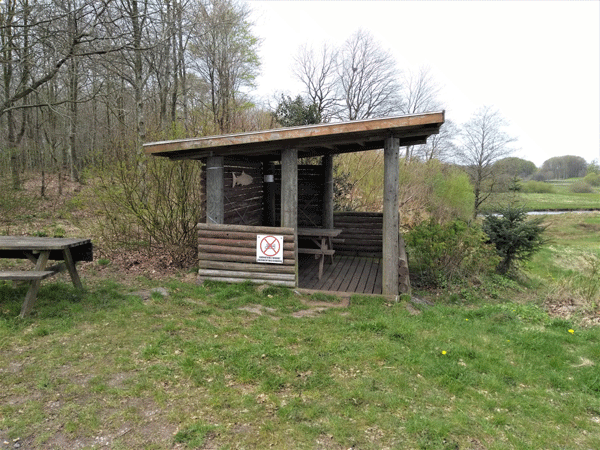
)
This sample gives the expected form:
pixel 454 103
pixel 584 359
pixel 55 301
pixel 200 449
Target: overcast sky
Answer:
pixel 537 62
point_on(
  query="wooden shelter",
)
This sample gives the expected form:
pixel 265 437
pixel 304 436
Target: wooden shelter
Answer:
pixel 254 186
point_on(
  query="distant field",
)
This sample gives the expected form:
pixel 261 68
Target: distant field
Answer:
pixel 562 199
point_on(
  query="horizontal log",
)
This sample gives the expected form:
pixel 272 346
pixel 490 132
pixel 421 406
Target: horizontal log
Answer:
pixel 236 250
pixel 253 280
pixel 246 229
pixel 353 241
pixel 337 214
pixel 238 258
pixel 210 234
pixel 235 274
pixel 364 248
pixel 366 254
pixel 247 267
pixel 359 228
pixel 246 243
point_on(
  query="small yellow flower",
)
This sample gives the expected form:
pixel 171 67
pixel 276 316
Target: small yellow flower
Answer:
pixel 444 352
pixel 467 320
pixel 572 331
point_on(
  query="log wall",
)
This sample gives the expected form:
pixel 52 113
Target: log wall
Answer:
pixel 228 253
pixel 362 233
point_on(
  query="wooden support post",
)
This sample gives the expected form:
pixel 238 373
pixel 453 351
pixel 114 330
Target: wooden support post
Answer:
pixel 289 195
pixel 328 192
pixel 390 216
pixel 215 199
pixel 289 188
pixel 34 285
pixel 71 268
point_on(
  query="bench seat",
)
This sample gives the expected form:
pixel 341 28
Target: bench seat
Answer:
pixel 21 275
pixel 316 251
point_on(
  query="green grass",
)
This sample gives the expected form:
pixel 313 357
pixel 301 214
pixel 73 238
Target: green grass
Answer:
pixel 562 199
pixel 227 366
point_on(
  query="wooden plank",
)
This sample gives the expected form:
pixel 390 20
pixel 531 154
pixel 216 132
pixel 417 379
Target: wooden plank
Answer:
pixel 344 272
pixel 316 251
pixel 249 267
pixel 253 280
pixel 240 243
pixel 251 237
pixel 358 275
pixel 250 275
pixel 318 232
pixel 289 187
pixel 237 258
pixel 362 283
pixel 352 273
pixel 372 277
pixel 328 191
pixel 31 296
pixel 246 229
pixel 215 199
pixel 22 275
pixel 219 249
pixel 390 217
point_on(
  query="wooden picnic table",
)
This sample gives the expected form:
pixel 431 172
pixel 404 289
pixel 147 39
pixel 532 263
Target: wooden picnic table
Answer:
pixel 322 238
pixel 39 250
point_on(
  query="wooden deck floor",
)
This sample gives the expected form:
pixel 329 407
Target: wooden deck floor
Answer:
pixel 346 274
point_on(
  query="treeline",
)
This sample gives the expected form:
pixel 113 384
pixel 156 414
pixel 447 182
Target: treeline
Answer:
pixel 85 82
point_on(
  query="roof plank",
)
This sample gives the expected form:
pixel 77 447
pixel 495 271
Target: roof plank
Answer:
pixel 330 138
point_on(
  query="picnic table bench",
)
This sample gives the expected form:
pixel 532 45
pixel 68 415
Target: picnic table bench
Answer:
pixel 322 238
pixel 39 250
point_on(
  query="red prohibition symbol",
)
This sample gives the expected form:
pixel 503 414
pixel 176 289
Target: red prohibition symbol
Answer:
pixel 270 246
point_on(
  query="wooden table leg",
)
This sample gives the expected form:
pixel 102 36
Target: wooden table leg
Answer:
pixel 71 268
pixel 34 286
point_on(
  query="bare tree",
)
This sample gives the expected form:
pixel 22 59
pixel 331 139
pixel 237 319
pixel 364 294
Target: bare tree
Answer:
pixel 421 94
pixel 225 55
pixel 439 146
pixel 483 141
pixel 318 73
pixel 368 79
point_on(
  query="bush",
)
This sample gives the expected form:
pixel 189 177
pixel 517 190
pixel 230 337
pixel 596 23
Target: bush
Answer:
pixel 514 237
pixel 153 202
pixel 581 187
pixel 537 187
pixel 593 179
pixel 441 254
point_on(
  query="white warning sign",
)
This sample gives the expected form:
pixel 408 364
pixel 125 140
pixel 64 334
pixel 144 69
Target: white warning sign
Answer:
pixel 269 249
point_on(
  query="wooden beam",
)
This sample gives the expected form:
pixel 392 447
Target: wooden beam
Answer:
pixel 215 198
pixel 328 192
pixel 390 216
pixel 289 195
pixel 289 188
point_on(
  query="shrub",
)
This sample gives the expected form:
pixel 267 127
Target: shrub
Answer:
pixel 581 187
pixel 153 202
pixel 593 179
pixel 537 187
pixel 441 254
pixel 514 237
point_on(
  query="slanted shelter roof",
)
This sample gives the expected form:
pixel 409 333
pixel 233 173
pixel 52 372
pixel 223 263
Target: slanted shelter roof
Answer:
pixel 310 140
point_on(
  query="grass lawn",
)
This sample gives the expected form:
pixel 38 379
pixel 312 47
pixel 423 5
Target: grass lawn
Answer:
pixel 562 199
pixel 220 366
